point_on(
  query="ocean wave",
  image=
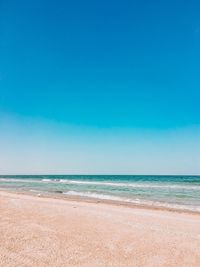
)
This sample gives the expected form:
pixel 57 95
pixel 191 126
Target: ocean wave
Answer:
pixel 133 185
pixel 135 201
pixel 95 195
pixel 111 184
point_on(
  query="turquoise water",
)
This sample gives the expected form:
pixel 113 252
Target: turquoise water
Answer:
pixel 179 192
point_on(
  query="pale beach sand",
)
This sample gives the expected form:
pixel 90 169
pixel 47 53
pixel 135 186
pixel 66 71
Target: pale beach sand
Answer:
pixel 38 231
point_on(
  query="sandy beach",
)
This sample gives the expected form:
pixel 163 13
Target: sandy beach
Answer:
pixel 38 231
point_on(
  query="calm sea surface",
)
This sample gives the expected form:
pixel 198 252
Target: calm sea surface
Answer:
pixel 179 192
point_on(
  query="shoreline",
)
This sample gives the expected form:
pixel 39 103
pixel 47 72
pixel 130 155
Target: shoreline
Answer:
pixel 58 195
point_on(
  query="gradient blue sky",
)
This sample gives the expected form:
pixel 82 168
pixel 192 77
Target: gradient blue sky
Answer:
pixel 100 87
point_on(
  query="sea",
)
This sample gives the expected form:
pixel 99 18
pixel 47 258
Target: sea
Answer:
pixel 172 192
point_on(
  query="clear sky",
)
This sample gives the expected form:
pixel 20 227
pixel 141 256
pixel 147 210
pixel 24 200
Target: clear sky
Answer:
pixel 100 86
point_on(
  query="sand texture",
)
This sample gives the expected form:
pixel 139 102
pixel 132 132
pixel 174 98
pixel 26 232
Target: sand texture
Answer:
pixel 40 232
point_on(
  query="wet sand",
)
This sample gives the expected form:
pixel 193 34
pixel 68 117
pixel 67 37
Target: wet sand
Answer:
pixel 39 231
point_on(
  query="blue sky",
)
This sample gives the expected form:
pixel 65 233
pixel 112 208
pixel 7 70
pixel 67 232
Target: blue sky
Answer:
pixel 84 82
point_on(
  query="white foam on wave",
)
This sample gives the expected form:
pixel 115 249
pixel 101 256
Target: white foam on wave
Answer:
pixel 133 185
pixel 35 191
pixel 95 195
